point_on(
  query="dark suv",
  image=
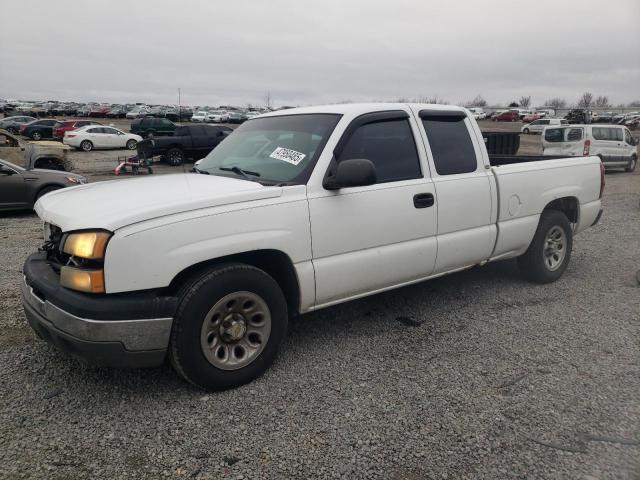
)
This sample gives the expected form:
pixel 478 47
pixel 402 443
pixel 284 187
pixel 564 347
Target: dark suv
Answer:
pixel 150 127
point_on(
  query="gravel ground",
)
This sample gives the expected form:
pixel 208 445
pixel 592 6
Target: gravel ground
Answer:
pixel 474 375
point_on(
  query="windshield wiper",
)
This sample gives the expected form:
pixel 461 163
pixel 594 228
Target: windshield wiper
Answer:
pixel 240 171
pixel 197 170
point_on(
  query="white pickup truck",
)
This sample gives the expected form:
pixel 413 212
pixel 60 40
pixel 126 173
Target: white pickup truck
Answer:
pixel 295 211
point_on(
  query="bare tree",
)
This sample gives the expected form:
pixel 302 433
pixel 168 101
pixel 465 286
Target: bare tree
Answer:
pixel 585 100
pixel 268 101
pixel 602 101
pixel 525 102
pixel 479 101
pixel 556 103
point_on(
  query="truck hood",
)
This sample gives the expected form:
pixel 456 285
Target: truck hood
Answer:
pixel 118 203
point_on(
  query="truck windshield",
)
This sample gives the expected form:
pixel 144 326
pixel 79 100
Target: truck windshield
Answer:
pixel 280 149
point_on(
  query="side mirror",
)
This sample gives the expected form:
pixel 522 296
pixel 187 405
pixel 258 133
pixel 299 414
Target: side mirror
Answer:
pixel 356 172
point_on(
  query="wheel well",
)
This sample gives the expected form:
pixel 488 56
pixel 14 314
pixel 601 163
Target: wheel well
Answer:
pixel 566 205
pixel 43 187
pixel 274 262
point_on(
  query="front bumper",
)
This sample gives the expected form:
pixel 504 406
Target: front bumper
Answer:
pixel 122 330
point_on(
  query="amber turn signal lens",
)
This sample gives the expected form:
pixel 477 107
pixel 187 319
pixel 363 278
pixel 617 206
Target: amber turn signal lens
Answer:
pixel 89 245
pixel 90 281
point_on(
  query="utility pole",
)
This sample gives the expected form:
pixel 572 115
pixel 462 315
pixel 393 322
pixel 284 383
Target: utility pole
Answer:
pixel 179 106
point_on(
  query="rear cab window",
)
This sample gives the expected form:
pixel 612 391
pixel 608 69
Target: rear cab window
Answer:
pixel 450 142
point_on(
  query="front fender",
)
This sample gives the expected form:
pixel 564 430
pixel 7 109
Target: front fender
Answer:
pixel 141 256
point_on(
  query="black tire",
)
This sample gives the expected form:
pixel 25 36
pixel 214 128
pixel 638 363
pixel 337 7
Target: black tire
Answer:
pixel 526 131
pixel 175 157
pixel 632 164
pixel 150 134
pixel 36 136
pixel 45 190
pixel 197 298
pixel 132 144
pixel 533 264
pixel 86 145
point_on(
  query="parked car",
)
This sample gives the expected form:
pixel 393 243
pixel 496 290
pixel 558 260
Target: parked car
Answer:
pixel 83 111
pixel 176 114
pixel 60 128
pixel 217 116
pixel 613 144
pixel 537 126
pixel 477 112
pixel 252 114
pixel 21 188
pixel 38 129
pixel 117 112
pixel 604 117
pixel 137 111
pixel 236 117
pixel 509 116
pixel 92 137
pixel 200 116
pixel 579 115
pixel 99 111
pixel 150 127
pixel 13 124
pixel 208 269
pixel 189 142
pixel 530 118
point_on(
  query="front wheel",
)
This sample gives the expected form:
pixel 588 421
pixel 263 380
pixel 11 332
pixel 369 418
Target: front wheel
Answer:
pixel 632 164
pixel 132 144
pixel 548 256
pixel 36 136
pixel 228 327
pixel 175 157
pixel 526 131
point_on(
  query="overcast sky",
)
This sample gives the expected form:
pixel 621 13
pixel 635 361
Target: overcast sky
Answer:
pixel 306 52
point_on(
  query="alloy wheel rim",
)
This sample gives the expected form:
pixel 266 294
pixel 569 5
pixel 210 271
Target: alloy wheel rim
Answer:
pixel 555 248
pixel 236 330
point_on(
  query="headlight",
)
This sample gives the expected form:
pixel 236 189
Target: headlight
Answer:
pixel 88 245
pixel 90 281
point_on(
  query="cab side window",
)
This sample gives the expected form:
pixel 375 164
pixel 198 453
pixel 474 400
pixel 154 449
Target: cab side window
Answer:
pixel 574 134
pixel 627 137
pixel 450 143
pixel 390 146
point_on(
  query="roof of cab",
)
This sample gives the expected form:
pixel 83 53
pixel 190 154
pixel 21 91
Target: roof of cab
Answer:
pixel 359 108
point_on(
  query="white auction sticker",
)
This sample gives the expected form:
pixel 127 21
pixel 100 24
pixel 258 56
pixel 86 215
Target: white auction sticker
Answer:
pixel 287 155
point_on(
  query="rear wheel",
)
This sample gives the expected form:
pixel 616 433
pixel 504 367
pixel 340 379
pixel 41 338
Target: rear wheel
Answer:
pixel 632 164
pixel 86 145
pixel 175 157
pixel 526 130
pixel 548 256
pixel 228 327
pixel 36 136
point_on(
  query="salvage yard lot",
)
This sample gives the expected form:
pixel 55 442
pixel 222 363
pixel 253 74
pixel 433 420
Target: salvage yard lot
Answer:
pixel 474 375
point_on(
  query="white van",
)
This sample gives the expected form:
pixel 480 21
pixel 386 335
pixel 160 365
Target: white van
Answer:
pixel 612 143
pixel 537 126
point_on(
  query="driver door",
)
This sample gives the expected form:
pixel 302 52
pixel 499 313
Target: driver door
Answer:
pixel 371 238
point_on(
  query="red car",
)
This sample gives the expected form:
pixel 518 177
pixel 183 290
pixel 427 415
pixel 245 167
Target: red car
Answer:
pixel 68 125
pixel 510 116
pixel 99 111
pixel 531 118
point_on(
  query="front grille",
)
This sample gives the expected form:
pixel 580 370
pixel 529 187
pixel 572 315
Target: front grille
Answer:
pixel 52 241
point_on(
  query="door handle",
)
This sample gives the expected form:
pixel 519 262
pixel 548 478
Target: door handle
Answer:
pixel 423 200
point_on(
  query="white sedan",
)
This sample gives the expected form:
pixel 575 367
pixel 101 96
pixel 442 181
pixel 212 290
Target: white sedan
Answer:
pixel 200 116
pixel 93 136
pixel 217 116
